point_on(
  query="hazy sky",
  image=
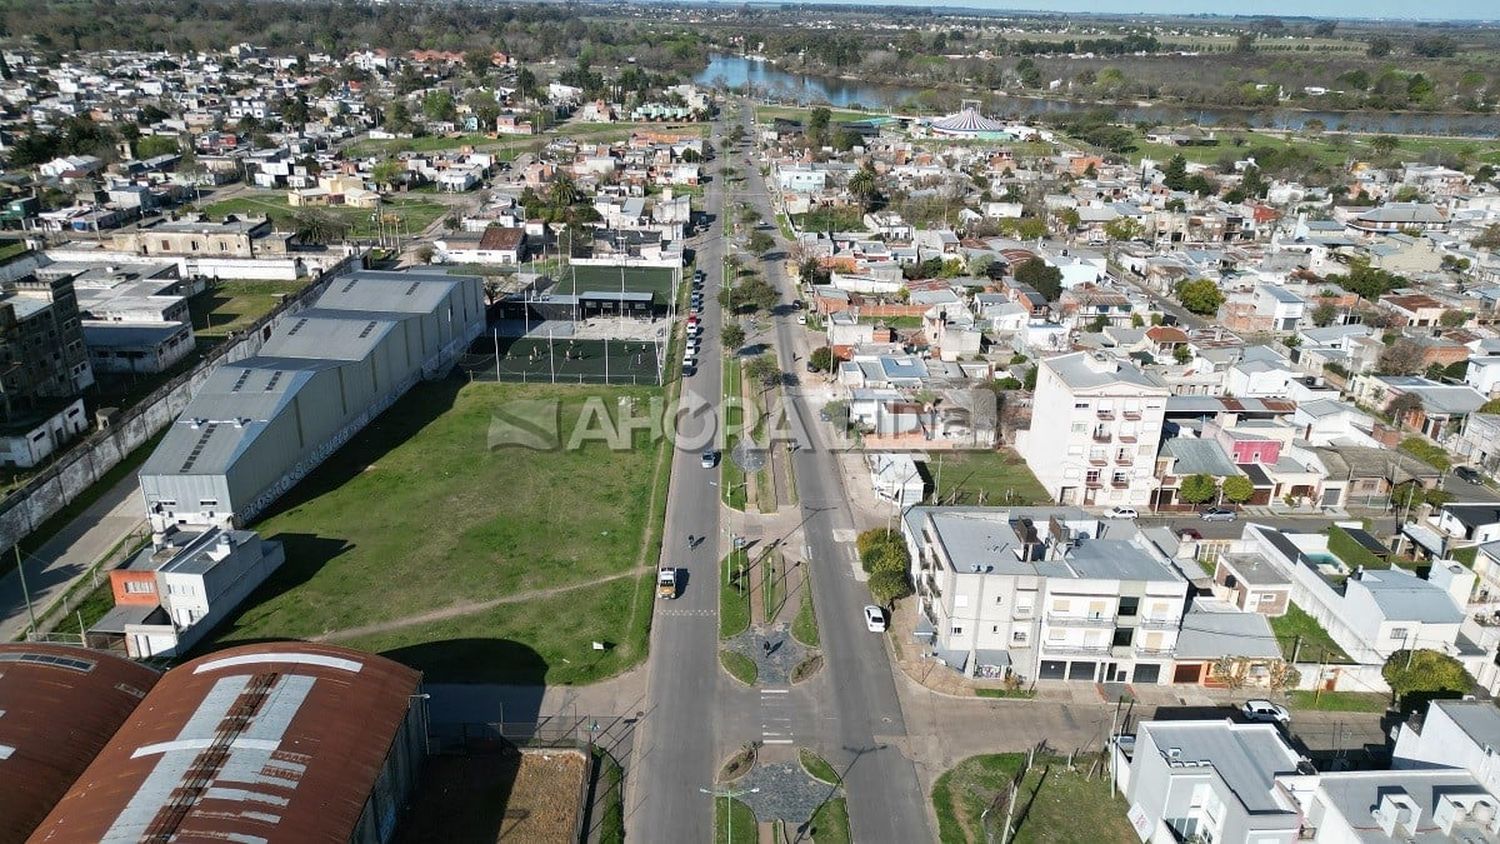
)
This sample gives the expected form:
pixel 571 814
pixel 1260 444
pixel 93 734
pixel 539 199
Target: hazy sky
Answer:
pixel 1404 9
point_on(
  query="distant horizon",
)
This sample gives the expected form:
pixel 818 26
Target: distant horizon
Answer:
pixel 1436 11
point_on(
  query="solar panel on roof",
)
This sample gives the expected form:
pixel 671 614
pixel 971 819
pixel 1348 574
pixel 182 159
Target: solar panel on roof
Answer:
pixel 208 431
pixel 275 377
pixel 83 665
pixel 350 286
pixel 413 288
pixel 240 381
pixel 368 328
pixel 297 327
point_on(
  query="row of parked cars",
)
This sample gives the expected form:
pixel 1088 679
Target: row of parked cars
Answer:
pixel 694 327
pixel 1208 514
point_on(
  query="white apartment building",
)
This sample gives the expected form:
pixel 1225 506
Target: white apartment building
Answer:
pixel 1096 427
pixel 1043 593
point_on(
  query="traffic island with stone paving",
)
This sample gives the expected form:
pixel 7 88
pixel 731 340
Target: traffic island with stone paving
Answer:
pixel 773 650
pixel 787 792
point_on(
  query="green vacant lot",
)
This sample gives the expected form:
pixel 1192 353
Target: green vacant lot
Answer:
pixel 1053 805
pixel 415 212
pixel 419 541
pixel 233 305
pixel 1328 149
pixel 1317 645
pixel 1001 476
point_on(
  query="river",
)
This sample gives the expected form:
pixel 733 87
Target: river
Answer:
pixel 767 79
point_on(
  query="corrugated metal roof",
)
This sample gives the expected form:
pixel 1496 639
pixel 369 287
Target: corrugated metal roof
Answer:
pixel 41 755
pixel 276 742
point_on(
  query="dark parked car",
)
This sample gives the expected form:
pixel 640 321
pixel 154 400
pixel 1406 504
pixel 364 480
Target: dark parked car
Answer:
pixel 1469 473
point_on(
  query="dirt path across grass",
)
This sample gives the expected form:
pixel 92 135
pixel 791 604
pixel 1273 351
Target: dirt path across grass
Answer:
pixel 468 608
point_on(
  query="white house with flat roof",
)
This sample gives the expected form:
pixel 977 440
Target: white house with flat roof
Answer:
pixel 1209 781
pixel 1096 426
pixel 1043 593
pixel 1453 734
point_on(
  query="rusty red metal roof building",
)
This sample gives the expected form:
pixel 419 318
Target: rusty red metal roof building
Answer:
pixel 275 742
pixel 59 706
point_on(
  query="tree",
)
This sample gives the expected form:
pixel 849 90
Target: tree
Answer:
pixel 1424 674
pixel 732 336
pixel 1124 228
pixel 1402 357
pixel 153 145
pixel 1237 488
pixel 1489 238
pixel 863 187
pixel 881 550
pixel 1200 296
pixel 479 62
pixel 886 587
pixel 1368 282
pixel 817 126
pixel 1453 318
pixel 1383 145
pixel 1043 277
pixel 760 242
pixel 314 226
pixel 1403 406
pixel 526 83
pixel 438 105
pixel 1379 47
pixel 1197 489
pixel 485 108
pixel 1182 354
pixel 822 359
pixel 1324 314
pixel 763 368
pixel 388 172
pixel 1174 175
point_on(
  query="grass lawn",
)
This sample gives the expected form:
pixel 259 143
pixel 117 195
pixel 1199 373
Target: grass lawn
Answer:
pixel 739 666
pixel 99 601
pixel 234 305
pixel 611 807
pixel 830 824
pixel 1010 694
pixel 767 113
pixel 743 824
pixel 732 486
pixel 899 322
pixel 12 249
pixel 844 218
pixel 1000 476
pixel 1340 701
pixel 805 625
pixel 1317 645
pixel 818 767
pixel 734 601
pixel 1328 149
pixel 414 212
pixel 1053 805
pixel 417 514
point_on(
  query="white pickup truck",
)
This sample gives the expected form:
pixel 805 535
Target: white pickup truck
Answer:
pixel 666 582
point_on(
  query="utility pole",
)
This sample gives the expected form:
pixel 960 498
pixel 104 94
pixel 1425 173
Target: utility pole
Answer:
pixel 25 591
pixel 729 796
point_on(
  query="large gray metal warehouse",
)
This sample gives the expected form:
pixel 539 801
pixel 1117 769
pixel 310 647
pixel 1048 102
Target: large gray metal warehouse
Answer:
pixel 259 425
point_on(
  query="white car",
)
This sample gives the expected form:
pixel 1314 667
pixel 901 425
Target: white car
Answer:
pixel 1122 513
pixel 1264 710
pixel 874 619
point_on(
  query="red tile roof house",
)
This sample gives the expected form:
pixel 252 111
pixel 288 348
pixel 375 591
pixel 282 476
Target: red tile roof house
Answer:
pixel 1417 309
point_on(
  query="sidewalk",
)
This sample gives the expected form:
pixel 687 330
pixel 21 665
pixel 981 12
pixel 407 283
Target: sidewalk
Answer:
pixel 69 554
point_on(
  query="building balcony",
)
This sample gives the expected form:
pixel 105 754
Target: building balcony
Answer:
pixel 1080 620
pixel 1098 461
pixel 1164 623
pixel 1133 415
pixel 1102 436
pixel 1095 484
pixel 1124 460
pixel 1127 438
pixel 1118 484
pixel 1069 649
pixel 1106 415
pixel 1141 650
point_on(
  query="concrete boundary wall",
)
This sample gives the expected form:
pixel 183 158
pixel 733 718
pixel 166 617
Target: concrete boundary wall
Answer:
pixel 83 465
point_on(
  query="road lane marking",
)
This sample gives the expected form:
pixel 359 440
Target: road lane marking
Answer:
pixel 775 691
pixel 777 741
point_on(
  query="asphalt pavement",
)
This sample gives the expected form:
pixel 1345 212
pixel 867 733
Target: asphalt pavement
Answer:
pixel 677 746
pixel 862 728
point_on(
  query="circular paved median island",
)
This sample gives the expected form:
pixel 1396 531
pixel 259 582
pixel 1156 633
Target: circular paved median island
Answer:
pixel 774 665
pixel 787 792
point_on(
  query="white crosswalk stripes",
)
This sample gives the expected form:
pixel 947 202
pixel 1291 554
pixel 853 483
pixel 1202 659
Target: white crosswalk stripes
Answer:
pixel 776 717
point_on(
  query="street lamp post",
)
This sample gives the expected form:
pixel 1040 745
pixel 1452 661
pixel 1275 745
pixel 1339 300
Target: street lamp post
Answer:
pixel 728 794
pixel 25 591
